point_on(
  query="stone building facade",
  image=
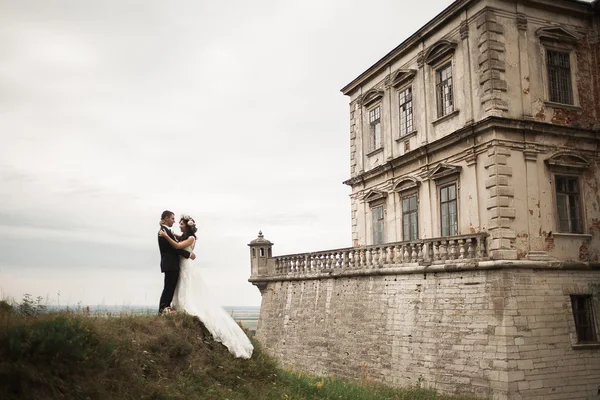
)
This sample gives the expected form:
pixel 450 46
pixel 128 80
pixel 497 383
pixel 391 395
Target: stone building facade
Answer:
pixel 475 214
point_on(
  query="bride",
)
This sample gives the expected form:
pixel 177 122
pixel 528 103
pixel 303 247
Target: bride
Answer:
pixel 192 296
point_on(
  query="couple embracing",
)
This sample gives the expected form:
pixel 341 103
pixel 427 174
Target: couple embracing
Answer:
pixel 185 289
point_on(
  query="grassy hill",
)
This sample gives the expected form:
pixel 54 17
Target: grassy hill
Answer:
pixel 71 355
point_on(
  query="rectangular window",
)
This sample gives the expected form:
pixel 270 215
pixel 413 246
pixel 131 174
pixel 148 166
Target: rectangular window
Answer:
pixel 584 318
pixel 559 77
pixel 377 224
pixel 443 84
pixel 409 218
pixel 567 202
pixel 449 210
pixel 375 128
pixel 406 111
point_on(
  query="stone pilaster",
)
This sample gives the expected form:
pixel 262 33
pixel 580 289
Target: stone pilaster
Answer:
pixel 354 126
pixel 500 205
pixel 354 213
pixel 492 64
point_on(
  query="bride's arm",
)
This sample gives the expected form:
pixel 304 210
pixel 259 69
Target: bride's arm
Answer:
pixel 177 245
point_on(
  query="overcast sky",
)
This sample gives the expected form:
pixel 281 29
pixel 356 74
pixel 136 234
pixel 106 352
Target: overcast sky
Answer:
pixel 112 111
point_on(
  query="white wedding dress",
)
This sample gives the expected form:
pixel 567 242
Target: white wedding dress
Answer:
pixel 192 296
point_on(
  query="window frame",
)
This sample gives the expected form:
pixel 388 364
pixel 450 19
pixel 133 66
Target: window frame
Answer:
pixel 412 129
pixel 372 129
pixel 571 94
pixel 443 185
pixel 373 207
pixel 441 111
pixel 407 195
pixel 560 40
pixel 580 216
pixel 584 333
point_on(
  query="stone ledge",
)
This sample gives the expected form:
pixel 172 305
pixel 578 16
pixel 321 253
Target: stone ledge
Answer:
pixel 406 136
pixel 414 268
pixel 445 117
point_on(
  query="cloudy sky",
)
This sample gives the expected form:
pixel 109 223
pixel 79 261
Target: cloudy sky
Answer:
pixel 113 110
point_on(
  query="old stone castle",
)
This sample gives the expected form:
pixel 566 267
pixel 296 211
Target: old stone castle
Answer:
pixel 475 215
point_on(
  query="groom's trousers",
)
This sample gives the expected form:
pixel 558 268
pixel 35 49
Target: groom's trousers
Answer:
pixel 171 278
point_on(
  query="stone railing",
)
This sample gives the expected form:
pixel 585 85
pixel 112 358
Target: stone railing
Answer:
pixel 446 250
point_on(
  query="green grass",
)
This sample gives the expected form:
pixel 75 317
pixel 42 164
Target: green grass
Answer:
pixel 70 355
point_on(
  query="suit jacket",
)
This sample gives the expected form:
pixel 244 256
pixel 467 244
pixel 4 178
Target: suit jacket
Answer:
pixel 169 255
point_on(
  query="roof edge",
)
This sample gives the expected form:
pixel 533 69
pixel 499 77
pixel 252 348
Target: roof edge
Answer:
pixel 444 15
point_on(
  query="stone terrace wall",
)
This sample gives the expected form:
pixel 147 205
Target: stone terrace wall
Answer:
pixel 501 333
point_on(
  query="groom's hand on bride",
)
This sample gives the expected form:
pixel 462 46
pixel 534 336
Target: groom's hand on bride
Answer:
pixel 192 256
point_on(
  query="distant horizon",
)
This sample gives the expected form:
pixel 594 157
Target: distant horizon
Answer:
pixel 133 306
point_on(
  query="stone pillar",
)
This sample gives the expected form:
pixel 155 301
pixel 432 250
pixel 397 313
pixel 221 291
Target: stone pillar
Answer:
pixel 492 64
pixel 500 205
pixel 260 252
pixel 524 65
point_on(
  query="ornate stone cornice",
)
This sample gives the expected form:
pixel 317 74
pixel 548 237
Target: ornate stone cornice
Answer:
pixel 486 125
pixel 439 50
pixel 556 34
pixel 567 160
pixel 371 97
pixel 406 183
pixel 402 76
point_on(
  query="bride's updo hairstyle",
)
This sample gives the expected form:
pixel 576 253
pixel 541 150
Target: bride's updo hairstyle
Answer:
pixel 190 225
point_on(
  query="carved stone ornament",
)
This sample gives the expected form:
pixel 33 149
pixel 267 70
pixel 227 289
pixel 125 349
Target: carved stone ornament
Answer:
pixel 464 30
pixel 406 183
pixel 374 195
pixel 521 22
pixel 371 97
pixel 420 59
pixel 565 160
pixel 443 170
pixel 439 50
pixel 556 34
pixel 402 76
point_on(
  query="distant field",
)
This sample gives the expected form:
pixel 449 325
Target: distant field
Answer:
pixel 247 316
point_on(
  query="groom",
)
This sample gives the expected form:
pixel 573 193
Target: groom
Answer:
pixel 169 262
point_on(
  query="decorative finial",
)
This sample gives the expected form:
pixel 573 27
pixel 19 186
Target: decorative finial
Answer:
pixel 260 234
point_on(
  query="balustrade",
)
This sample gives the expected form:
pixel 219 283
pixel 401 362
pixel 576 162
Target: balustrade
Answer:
pixel 454 249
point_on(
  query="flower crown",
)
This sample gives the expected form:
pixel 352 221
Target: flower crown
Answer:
pixel 189 219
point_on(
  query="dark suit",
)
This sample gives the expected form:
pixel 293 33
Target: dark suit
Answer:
pixel 169 265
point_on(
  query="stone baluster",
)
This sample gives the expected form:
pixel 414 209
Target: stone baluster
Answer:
pixel 369 254
pixel 389 255
pixel 396 257
pixel 470 248
pixel 413 253
pixel 444 250
pixel 461 249
pixel 452 253
pixel 356 258
pixel 405 254
pixel 420 252
pixel 436 250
